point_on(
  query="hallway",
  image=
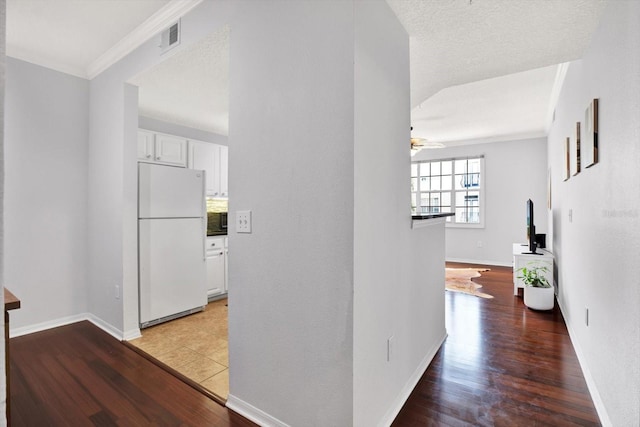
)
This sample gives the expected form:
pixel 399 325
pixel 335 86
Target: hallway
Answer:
pixel 502 364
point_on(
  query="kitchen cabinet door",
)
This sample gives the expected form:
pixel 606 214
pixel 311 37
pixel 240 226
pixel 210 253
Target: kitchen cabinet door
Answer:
pixel 146 145
pixel 215 271
pixel 171 150
pixel 213 159
pixel 202 155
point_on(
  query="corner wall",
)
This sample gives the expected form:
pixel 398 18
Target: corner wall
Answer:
pixel 597 247
pixel 398 271
pixel 514 172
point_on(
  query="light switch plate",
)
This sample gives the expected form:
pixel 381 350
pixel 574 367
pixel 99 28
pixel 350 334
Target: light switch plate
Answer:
pixel 243 221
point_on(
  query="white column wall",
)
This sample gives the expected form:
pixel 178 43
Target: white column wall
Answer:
pixel 291 164
pixel 597 249
pixel 398 271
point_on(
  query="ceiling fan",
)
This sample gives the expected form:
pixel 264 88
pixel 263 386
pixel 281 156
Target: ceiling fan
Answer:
pixel 418 144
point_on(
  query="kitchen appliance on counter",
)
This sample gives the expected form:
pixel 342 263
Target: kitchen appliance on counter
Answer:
pixel 171 242
pixel 216 223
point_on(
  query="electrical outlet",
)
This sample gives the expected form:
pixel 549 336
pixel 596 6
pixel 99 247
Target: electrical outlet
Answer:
pixel 570 215
pixel 117 291
pixel 243 222
pixel 390 347
pixel 586 316
pixel 479 243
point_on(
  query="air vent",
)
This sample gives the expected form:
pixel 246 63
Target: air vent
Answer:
pixel 170 37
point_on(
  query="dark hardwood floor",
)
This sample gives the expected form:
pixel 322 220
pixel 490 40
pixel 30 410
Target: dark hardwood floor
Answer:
pixel 78 375
pixel 501 365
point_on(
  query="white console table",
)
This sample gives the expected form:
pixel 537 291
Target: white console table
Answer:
pixel 523 259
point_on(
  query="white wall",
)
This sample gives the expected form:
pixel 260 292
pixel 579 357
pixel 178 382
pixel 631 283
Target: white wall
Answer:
pixel 184 131
pixel 45 200
pixel 514 172
pixel 291 163
pixel 597 252
pixel 398 271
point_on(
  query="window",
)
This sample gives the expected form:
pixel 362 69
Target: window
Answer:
pixel 451 185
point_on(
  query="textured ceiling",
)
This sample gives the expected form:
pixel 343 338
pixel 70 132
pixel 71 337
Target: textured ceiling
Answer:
pixel 471 47
pixel 455 43
pixel 461 41
pixel 68 35
pixel 509 107
pixel 190 88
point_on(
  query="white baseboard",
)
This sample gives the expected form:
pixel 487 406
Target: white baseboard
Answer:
pixel 107 327
pixel 67 320
pixel 481 262
pixel 49 324
pixel 404 394
pixel 252 413
pixel 591 384
pixel 131 334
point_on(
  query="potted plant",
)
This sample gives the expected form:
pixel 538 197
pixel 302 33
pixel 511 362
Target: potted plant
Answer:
pixel 538 292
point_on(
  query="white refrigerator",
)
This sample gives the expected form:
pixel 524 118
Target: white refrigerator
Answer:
pixel 171 242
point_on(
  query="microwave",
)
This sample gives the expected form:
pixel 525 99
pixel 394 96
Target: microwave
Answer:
pixel 216 223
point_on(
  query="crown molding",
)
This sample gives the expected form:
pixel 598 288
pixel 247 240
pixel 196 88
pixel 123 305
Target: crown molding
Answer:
pixel 149 28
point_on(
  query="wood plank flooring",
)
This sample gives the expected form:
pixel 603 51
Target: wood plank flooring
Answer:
pixel 501 365
pixel 78 375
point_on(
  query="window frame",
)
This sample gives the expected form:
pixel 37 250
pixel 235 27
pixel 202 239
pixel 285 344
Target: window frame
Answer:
pixel 451 221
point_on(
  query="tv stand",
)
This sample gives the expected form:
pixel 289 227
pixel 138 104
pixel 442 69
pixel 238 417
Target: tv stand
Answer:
pixel 522 257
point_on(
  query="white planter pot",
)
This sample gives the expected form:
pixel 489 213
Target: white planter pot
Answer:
pixel 538 298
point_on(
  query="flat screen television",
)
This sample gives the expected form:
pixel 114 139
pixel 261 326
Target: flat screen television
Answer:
pixel 531 229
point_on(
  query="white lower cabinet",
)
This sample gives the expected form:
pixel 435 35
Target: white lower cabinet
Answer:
pixel 216 274
pixel 523 258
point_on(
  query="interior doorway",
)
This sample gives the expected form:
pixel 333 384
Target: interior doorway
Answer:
pixel 186 98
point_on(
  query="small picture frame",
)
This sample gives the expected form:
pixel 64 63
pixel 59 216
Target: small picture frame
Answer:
pixel 567 159
pixel 577 170
pixel 591 134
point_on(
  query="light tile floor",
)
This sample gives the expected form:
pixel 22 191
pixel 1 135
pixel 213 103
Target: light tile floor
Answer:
pixel 195 345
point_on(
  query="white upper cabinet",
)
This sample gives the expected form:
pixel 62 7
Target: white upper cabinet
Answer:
pixel 202 156
pixel 145 145
pixel 171 150
pixel 211 158
pixel 161 148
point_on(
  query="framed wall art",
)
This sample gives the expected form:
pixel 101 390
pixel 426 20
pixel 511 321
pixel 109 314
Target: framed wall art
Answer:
pixel 567 159
pixel 590 138
pixel 577 164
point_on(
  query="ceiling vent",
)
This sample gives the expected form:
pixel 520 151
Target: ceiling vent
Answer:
pixel 170 37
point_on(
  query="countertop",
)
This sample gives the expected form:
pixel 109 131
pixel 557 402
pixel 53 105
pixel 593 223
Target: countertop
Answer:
pixel 10 300
pixel 431 216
